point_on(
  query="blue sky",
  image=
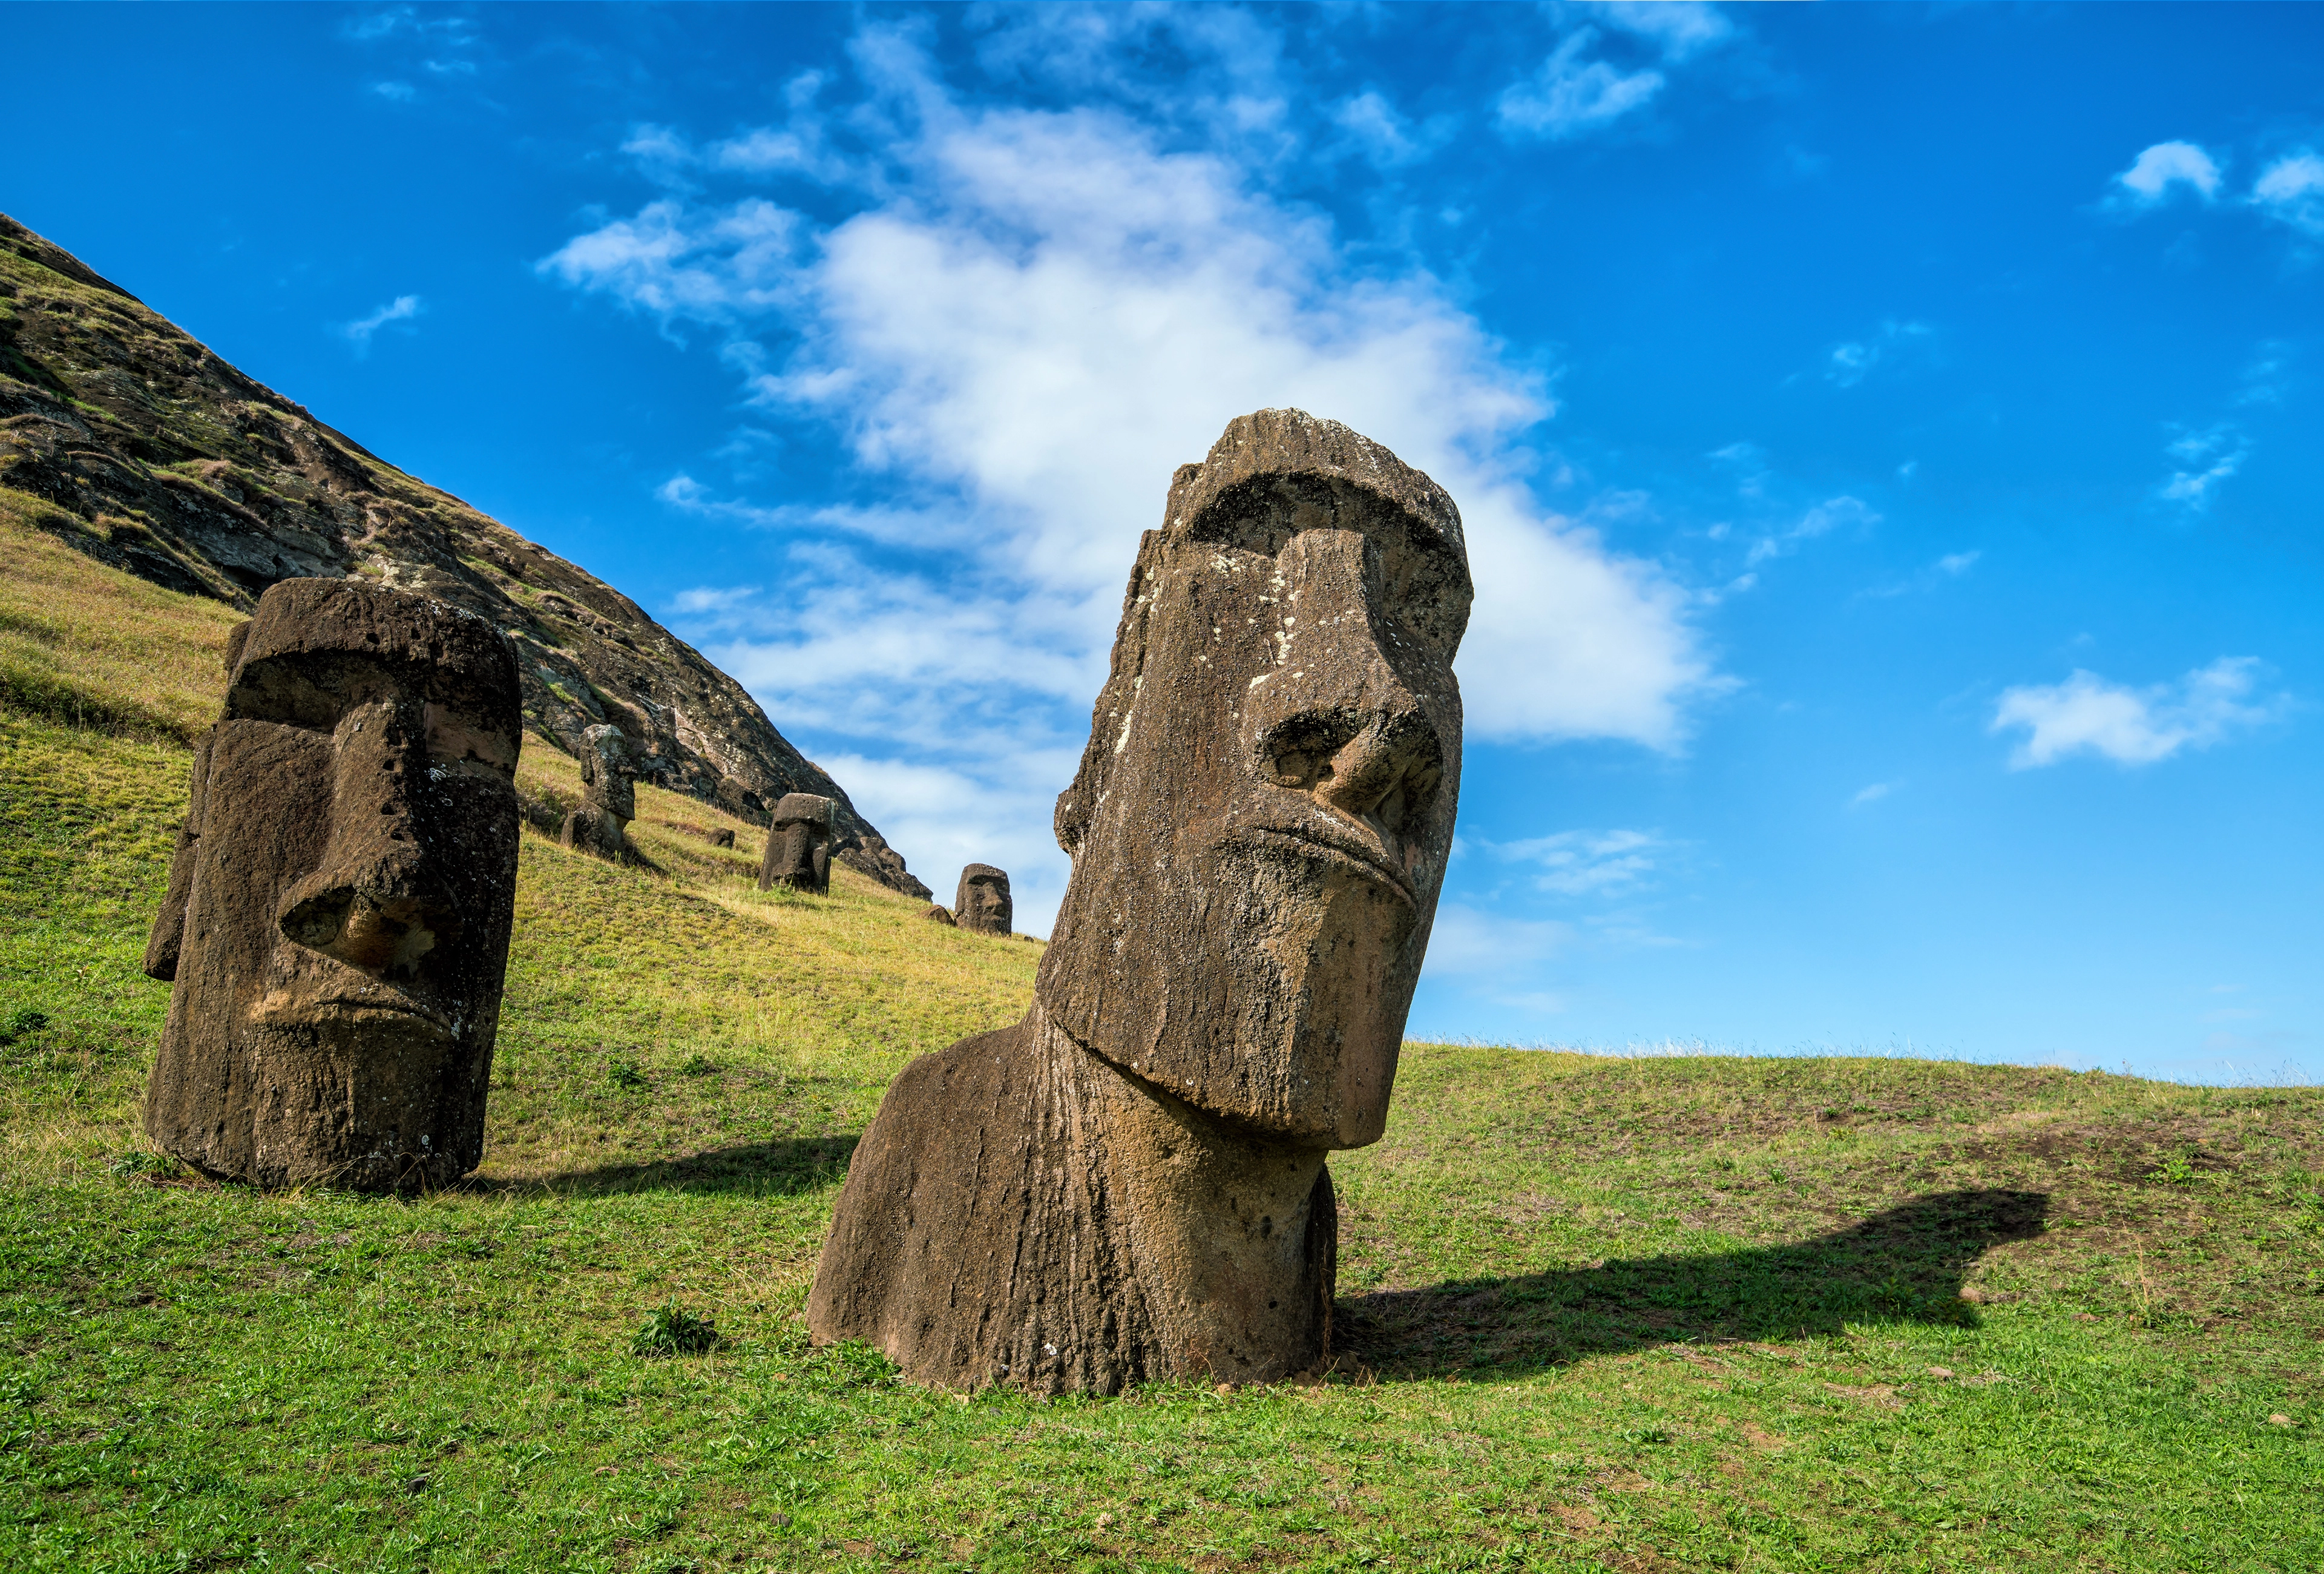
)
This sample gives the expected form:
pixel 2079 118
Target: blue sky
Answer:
pixel 1879 429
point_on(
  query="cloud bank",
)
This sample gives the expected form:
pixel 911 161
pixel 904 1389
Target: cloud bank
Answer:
pixel 2086 715
pixel 1019 322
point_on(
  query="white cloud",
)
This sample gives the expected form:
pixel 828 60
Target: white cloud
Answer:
pixel 1466 941
pixel 403 308
pixel 1833 513
pixel 2132 726
pixel 2291 191
pixel 2155 172
pixel 1377 131
pixel 1851 362
pixel 1682 28
pixel 1586 863
pixel 1872 794
pixel 707 599
pixel 1027 320
pixel 2205 458
pixel 395 92
pixel 1570 95
pixel 1955 564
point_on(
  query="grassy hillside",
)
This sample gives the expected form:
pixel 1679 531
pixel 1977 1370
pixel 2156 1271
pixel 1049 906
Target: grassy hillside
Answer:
pixel 1668 1314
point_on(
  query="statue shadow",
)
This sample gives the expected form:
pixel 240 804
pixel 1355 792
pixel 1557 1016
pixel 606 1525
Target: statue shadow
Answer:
pixel 1904 1264
pixel 786 1167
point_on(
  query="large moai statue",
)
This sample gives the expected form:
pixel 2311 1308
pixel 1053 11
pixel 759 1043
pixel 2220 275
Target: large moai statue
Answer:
pixel 338 918
pixel 982 903
pixel 798 844
pixel 609 795
pixel 1130 1182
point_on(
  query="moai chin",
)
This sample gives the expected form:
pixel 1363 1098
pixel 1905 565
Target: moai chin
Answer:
pixel 1130 1182
pixel 982 903
pixel 609 795
pixel 338 918
pixel 798 844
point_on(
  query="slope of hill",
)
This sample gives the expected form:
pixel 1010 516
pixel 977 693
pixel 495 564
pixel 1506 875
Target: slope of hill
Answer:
pixel 124 440
pixel 1594 1315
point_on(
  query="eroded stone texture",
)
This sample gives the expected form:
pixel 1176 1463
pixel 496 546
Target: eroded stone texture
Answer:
pixel 799 845
pixel 936 914
pixel 609 795
pixel 871 854
pixel 982 903
pixel 337 916
pixel 1131 1183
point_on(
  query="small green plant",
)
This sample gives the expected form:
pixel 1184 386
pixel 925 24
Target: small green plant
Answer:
pixel 138 1162
pixel 671 1331
pixel 21 1024
pixel 2176 1168
pixel 626 1074
pixel 697 1066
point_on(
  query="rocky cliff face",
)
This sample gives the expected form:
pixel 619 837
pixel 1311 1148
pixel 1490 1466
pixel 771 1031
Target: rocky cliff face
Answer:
pixel 149 452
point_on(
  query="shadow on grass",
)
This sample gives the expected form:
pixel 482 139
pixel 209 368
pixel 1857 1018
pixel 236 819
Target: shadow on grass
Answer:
pixel 783 1168
pixel 1904 1264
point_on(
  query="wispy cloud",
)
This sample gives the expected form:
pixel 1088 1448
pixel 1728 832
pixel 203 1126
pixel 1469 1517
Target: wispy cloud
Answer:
pixel 2162 170
pixel 2134 726
pixel 2291 190
pixel 2204 458
pixel 1571 94
pixel 1872 794
pixel 1851 361
pixel 1469 942
pixel 1833 513
pixel 1578 863
pixel 403 308
pixel 395 92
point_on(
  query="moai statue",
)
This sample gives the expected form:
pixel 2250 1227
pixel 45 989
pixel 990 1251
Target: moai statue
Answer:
pixel 1130 1183
pixel 936 914
pixel 799 845
pixel 337 917
pixel 609 795
pixel 982 903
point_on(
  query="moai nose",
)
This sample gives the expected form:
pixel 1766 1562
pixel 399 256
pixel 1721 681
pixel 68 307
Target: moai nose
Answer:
pixel 377 902
pixel 1386 774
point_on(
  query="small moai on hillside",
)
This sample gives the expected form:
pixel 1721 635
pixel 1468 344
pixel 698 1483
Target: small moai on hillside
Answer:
pixel 609 795
pixel 936 914
pixel 337 923
pixel 1130 1184
pixel 799 845
pixel 982 903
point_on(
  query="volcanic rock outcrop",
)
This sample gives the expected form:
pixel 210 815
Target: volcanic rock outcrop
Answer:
pixel 125 438
pixel 336 923
pixel 799 846
pixel 982 903
pixel 1130 1182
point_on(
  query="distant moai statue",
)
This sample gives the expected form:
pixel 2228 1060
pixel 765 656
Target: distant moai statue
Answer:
pixel 1130 1183
pixel 337 923
pixel 983 903
pixel 609 795
pixel 799 845
pixel 936 914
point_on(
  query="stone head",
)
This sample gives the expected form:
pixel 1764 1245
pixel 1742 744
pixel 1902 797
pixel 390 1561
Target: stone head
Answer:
pixel 799 842
pixel 609 770
pixel 338 925
pixel 1262 816
pixel 982 903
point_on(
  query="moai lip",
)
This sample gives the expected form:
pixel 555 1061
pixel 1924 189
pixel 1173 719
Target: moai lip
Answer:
pixel 1131 1183
pixel 982 903
pixel 337 923
pixel 798 844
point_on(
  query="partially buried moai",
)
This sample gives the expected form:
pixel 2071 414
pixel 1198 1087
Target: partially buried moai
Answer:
pixel 337 923
pixel 982 903
pixel 1130 1182
pixel 798 844
pixel 609 795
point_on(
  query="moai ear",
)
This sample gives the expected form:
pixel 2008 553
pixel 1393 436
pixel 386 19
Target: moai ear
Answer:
pixel 1108 718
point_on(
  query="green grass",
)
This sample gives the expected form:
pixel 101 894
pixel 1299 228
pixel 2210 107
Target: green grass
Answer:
pixel 1595 1314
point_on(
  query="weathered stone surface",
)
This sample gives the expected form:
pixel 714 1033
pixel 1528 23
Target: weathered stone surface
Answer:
pixel 936 914
pixel 158 457
pixel 609 799
pixel 982 903
pixel 799 845
pixel 871 854
pixel 338 918
pixel 1131 1183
